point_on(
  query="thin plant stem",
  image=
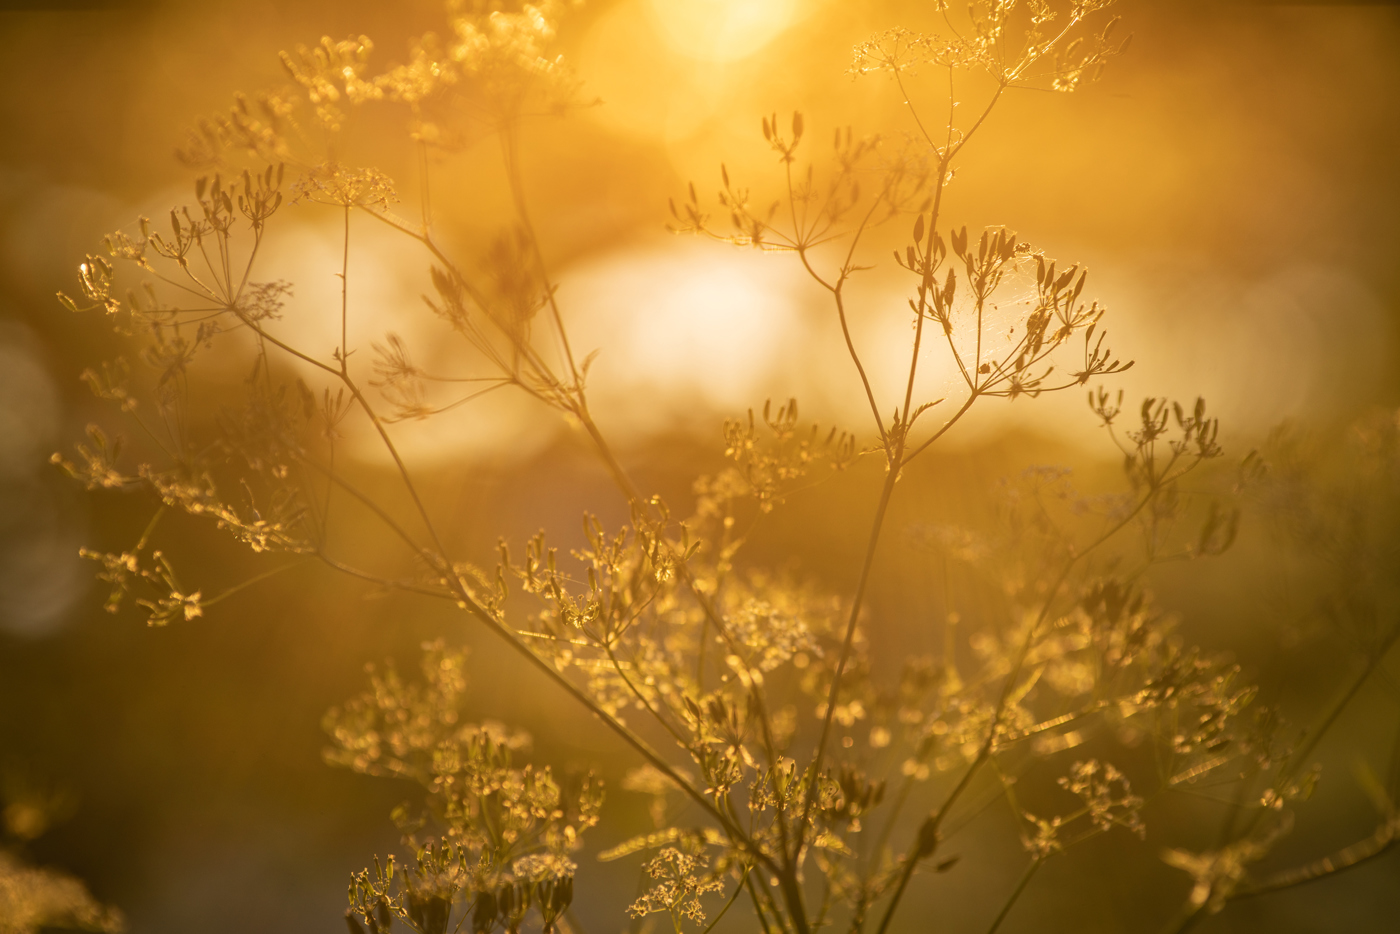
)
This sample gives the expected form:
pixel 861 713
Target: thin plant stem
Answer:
pixel 223 595
pixel 1382 841
pixel 757 904
pixel 737 889
pixel 1374 846
pixel 886 492
pixel 345 297
pixel 1015 894
pixel 928 833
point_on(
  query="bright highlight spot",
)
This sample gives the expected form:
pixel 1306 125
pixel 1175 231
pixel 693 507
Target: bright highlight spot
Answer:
pixel 699 62
pixel 722 30
pixel 388 274
pixel 686 330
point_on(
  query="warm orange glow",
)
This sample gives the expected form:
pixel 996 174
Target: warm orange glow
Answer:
pixel 722 30
pixel 797 305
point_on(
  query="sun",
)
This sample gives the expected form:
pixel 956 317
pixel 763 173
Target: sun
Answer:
pixel 722 30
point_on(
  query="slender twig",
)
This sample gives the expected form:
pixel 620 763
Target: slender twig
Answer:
pixel 927 841
pixel 1377 844
pixel 737 889
pixel 489 618
pixel 928 832
pixel 839 298
pixel 509 145
pixel 757 904
pixel 1015 894
pixel 248 583
pixel 642 698
pixel 345 297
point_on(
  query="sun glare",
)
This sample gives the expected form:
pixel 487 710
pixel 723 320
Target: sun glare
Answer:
pixel 697 328
pixel 686 330
pixel 699 57
pixel 722 30
pixel 659 389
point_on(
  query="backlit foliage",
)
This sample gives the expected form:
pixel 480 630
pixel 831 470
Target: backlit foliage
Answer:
pixel 31 899
pixel 34 898
pixel 789 772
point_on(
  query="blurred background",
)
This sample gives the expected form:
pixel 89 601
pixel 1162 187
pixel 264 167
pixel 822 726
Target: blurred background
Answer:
pixel 1231 184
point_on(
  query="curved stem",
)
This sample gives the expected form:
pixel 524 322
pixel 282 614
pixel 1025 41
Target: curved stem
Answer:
pixel 345 297
pixel 814 771
pixel 1377 844
pixel 757 905
pixel 517 189
pixel 1015 894
pixel 248 583
pixel 732 898
pixel 928 832
pixel 1327 722
pixel 641 698
pixel 486 616
pixel 927 840
pixel 838 295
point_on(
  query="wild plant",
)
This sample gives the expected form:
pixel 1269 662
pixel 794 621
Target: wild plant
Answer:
pixel 790 775
pixel 33 898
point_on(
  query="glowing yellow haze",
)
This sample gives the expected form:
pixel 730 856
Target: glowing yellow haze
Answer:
pixel 722 30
